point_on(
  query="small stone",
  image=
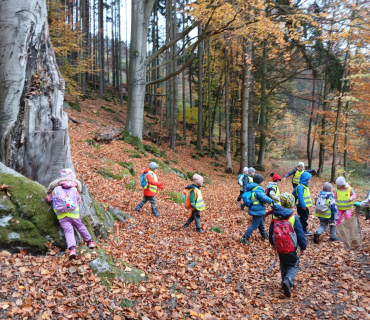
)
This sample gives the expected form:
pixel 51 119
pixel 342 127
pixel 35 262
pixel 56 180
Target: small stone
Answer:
pixel 81 269
pixel 72 270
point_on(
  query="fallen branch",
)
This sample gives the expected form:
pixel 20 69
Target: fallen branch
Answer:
pixel 107 136
pixel 73 120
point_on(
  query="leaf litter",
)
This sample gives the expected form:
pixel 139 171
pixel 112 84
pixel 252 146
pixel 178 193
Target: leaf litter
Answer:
pixel 191 276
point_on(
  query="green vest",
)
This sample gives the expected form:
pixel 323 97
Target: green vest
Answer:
pixel 324 214
pixel 343 202
pixel 250 178
pixel 297 176
pixel 254 199
pixel 306 196
pixel 199 203
pixel 291 219
pixel 151 187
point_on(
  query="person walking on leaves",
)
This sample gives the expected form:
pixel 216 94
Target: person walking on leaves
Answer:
pixel 241 178
pixel 326 211
pixel 149 181
pixel 303 200
pixel 256 199
pixel 297 172
pixel 196 201
pixel 344 197
pixel 286 235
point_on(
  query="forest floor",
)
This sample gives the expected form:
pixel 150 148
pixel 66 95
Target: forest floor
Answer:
pixel 191 275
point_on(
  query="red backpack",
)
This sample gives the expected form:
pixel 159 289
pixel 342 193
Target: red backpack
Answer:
pixel 285 238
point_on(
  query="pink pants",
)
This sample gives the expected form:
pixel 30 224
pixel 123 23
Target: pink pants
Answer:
pixel 67 225
pixel 347 214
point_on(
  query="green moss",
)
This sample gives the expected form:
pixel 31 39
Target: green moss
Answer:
pixel 87 222
pixel 98 211
pixel 134 141
pixel 134 154
pixel 190 174
pixel 194 142
pixel 108 109
pixel 128 165
pixel 154 150
pixel 195 156
pixel 167 161
pixel 131 185
pixel 107 174
pixel 176 197
pixel 259 167
pixel 216 164
pixel 216 229
pixel 75 105
pixel 181 174
pixel 93 143
pixel 201 154
pixel 162 165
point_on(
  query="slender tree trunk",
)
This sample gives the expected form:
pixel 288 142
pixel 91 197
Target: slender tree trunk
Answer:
pixel 190 88
pixel 261 155
pixel 174 81
pixel 323 129
pixel 169 92
pixel 209 96
pixel 310 126
pixel 336 129
pixel 246 84
pixel 120 54
pixel 345 155
pixel 251 151
pixel 228 167
pixel 219 94
pixel 200 92
pixel 219 121
pixel 101 48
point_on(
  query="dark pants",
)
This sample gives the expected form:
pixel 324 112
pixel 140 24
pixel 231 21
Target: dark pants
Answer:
pixel 303 217
pixel 367 214
pixel 294 185
pixel 257 222
pixel 289 266
pixel 152 201
pixel 240 196
pixel 195 215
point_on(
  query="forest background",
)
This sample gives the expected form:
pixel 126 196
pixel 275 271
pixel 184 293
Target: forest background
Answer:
pixel 267 80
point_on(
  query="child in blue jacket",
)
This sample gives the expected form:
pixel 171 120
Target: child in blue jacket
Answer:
pixel 327 212
pixel 303 200
pixel 258 209
pixel 288 261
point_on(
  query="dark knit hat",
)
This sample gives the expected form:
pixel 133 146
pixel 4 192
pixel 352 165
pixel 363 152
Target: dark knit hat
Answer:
pixel 258 178
pixel 327 187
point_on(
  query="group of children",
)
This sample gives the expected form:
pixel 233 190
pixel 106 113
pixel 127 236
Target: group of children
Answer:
pixel 286 233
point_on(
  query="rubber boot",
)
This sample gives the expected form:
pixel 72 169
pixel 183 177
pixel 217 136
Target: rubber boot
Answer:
pixel 138 208
pixel 286 288
pixel 155 213
pixel 199 230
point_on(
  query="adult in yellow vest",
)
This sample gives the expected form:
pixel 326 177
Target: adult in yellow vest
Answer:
pixel 297 172
pixel 326 211
pixel 344 197
pixel 197 202
pixel 303 200
pixel 150 189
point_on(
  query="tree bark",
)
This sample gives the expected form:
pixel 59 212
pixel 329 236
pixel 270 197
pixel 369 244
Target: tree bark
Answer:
pixel 101 48
pixel 200 92
pixel 228 166
pixel 209 96
pixel 251 150
pixel 345 155
pixel 246 75
pixel 261 155
pixel 309 158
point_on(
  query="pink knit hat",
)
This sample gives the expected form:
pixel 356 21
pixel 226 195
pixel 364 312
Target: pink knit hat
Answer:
pixel 198 179
pixel 67 173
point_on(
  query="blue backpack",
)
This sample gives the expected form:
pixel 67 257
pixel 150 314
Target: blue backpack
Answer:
pixel 143 181
pixel 247 199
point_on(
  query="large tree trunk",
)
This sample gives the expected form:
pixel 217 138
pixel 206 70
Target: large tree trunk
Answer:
pixel 247 52
pixel 101 48
pixel 200 92
pixel 209 95
pixel 33 127
pixel 309 156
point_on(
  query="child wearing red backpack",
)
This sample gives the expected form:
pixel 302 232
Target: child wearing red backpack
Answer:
pixel 64 194
pixel 286 235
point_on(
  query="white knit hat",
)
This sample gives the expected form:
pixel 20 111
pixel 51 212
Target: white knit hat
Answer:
pixel 300 163
pixel 245 169
pixel 198 179
pixel 341 181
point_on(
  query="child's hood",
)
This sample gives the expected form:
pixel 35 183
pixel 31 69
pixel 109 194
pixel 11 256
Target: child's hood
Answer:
pixel 66 183
pixel 252 185
pixel 271 184
pixel 325 194
pixel 192 186
pixel 305 177
pixel 281 212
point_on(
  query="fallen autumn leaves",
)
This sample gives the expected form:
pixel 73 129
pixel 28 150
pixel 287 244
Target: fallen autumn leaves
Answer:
pixel 209 276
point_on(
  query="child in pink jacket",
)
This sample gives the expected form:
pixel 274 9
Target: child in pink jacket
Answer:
pixel 68 220
pixel 344 197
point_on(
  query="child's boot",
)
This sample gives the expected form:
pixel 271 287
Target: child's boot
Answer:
pixel 287 288
pixel 72 254
pixel 264 238
pixel 91 244
pixel 138 208
pixel 185 226
pixel 334 239
pixel 316 238
pixel 199 230
pixel 244 240
pixel 155 213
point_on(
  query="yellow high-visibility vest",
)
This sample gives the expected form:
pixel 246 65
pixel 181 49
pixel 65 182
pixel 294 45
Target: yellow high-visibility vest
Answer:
pixel 291 219
pixel 254 199
pixel 151 187
pixel 199 203
pixel 277 192
pixel 297 176
pixel 324 214
pixel 306 196
pixel 343 202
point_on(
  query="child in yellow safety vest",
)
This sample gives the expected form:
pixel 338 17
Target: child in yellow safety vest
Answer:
pixel 326 211
pixel 297 172
pixel 303 200
pixel 272 190
pixel 196 201
pixel 344 197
